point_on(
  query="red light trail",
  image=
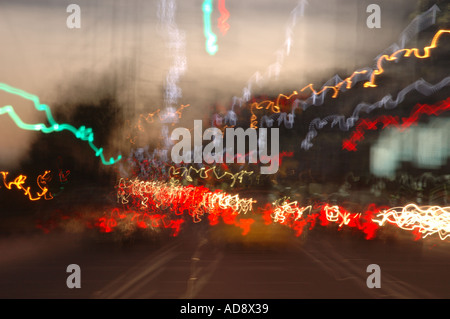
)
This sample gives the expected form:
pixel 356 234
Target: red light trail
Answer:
pixel 224 15
pixel 199 201
pixel 393 121
pixel 196 201
pixel 156 206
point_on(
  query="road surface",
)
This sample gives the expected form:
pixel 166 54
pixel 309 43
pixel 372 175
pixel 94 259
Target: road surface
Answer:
pixel 324 264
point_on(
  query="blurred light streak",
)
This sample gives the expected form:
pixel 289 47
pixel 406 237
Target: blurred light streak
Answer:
pixel 166 206
pixel 175 42
pixel 275 68
pixel 224 15
pixel 361 221
pixel 158 197
pixel 335 88
pixel 176 45
pixel 373 73
pixel 82 133
pixel 196 200
pixel 211 38
pixel 272 106
pixel 388 121
pixel 297 217
pixel 420 23
pixel 318 96
pixel 117 219
pixel 203 173
pixel 284 208
pixel 19 181
pixel 335 214
pixel 386 102
pixel 149 118
pixel 426 220
pixel 406 53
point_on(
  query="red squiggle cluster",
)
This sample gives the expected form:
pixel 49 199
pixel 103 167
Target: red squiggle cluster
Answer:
pixel 142 220
pixel 159 205
pixel 393 121
pixel 289 214
pixel 420 221
pixel 152 197
pixel 298 217
pixel 361 221
pixel 165 205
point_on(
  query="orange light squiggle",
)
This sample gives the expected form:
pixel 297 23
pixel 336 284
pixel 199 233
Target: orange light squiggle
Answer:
pixel 20 180
pixel 273 106
pixel 348 82
pixel 336 88
pixel 407 54
pixel 149 118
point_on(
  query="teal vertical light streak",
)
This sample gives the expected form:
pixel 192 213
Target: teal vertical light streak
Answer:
pixel 211 38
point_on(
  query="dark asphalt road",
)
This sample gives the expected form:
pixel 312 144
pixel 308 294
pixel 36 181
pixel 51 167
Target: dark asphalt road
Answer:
pixel 325 264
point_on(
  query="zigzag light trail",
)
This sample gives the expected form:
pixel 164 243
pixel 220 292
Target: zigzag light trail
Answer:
pixel 203 173
pixel 407 53
pixel 393 57
pixel 267 105
pixel 388 121
pixel 419 23
pixel 82 133
pixel 318 97
pixel 387 102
